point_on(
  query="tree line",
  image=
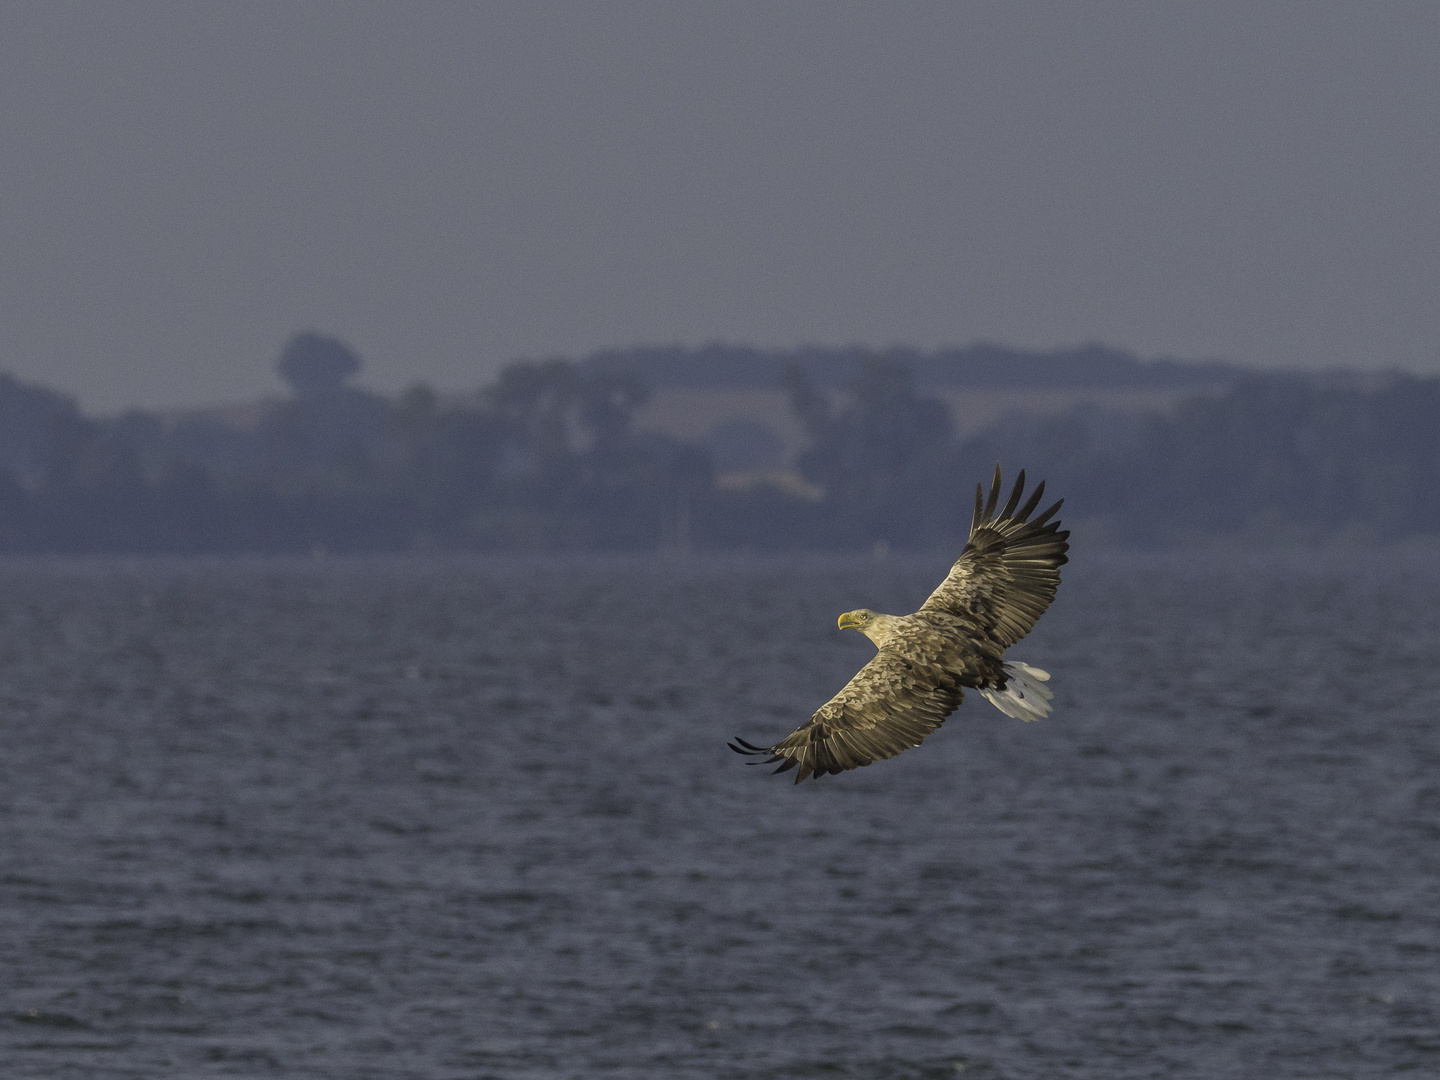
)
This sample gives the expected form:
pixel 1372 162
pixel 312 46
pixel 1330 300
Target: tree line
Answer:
pixel 549 457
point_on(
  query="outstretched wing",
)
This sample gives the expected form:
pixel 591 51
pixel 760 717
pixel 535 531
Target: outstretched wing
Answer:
pixel 1009 570
pixel 889 706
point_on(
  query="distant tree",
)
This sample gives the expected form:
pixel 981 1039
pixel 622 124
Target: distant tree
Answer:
pixel 555 455
pixel 555 415
pixel 315 365
pixel 31 419
pixel 883 454
pixel 537 403
pixel 573 469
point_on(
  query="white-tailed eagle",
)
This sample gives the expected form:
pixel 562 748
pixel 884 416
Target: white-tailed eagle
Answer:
pixel 1002 583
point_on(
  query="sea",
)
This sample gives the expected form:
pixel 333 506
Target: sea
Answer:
pixel 472 818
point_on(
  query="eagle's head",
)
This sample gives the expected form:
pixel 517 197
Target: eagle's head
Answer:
pixel 878 628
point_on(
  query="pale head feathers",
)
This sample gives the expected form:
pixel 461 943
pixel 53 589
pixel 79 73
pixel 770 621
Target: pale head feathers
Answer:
pixel 878 628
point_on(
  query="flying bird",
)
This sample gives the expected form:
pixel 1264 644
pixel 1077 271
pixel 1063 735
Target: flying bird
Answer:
pixel 1002 583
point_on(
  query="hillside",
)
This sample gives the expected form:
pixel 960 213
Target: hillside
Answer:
pixel 587 455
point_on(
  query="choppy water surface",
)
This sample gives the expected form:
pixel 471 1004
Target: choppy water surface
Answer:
pixel 466 820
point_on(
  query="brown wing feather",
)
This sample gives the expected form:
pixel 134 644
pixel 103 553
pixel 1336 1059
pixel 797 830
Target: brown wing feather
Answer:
pixel 889 706
pixel 1009 570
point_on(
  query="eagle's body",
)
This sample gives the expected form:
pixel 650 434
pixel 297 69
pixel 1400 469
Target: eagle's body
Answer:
pixel 930 639
pixel 1002 583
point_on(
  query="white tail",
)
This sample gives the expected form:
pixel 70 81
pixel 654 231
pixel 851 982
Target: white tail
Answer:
pixel 1025 697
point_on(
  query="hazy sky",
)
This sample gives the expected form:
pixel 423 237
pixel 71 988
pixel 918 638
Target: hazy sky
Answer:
pixel 451 186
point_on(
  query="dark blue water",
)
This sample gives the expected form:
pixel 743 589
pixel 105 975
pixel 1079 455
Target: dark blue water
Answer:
pixel 477 819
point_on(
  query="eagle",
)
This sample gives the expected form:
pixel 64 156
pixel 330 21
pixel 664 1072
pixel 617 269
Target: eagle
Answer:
pixel 999 587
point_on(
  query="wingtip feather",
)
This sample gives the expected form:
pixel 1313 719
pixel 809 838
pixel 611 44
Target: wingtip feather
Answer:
pixel 994 499
pixel 1032 502
pixel 1048 514
pixel 1014 499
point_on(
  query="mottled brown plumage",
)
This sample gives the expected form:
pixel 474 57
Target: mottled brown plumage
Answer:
pixel 1002 583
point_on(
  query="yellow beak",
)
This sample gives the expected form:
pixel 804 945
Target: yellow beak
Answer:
pixel 848 621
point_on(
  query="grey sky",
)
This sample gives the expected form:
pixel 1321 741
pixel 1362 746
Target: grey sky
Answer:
pixel 450 186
